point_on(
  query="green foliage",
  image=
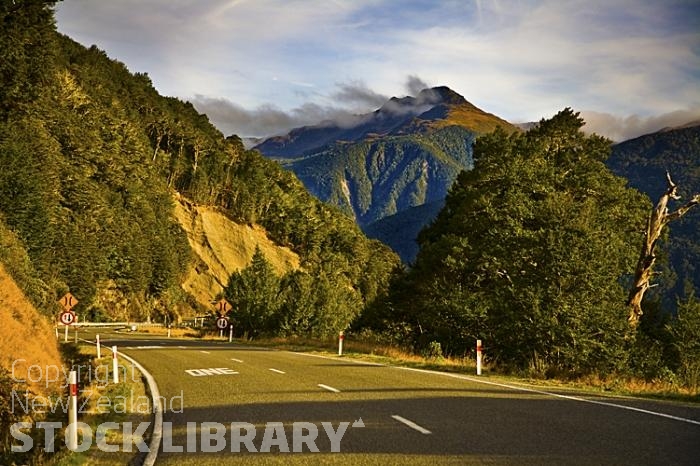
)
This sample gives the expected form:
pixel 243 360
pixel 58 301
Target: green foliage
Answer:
pixel 90 158
pixel 528 254
pixel 316 304
pixel 374 178
pixel 686 333
pixel 26 52
pixel 254 296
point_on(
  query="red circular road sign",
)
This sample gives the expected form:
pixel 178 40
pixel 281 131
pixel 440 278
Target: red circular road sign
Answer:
pixel 67 317
pixel 222 322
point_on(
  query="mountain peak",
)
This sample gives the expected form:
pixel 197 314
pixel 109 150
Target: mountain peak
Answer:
pixel 440 95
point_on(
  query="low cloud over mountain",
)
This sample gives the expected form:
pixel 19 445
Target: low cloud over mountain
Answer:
pixel 623 128
pixel 345 103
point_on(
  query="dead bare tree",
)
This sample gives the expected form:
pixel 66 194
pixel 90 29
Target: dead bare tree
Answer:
pixel 658 219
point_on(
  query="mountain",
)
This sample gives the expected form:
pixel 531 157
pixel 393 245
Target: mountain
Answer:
pixel 404 155
pixel 141 208
pixel 644 162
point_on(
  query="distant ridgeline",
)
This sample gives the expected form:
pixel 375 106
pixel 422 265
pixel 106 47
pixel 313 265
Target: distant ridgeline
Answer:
pixel 644 161
pixel 391 169
pixel 90 159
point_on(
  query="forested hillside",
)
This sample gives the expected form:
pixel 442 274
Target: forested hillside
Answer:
pixel 403 156
pixel 91 157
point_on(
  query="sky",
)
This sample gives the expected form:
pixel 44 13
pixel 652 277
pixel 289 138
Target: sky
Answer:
pixel 262 67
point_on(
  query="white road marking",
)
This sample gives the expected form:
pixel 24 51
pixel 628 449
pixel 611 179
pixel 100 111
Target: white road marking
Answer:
pixel 277 370
pixel 205 352
pixel 182 347
pixel 330 389
pixel 237 360
pixel 411 424
pixel 335 358
pixel 555 395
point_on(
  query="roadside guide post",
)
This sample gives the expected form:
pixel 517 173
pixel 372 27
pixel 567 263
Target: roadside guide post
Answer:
pixel 97 343
pixel 115 369
pixel 341 337
pixel 72 433
pixel 478 357
pixel 230 333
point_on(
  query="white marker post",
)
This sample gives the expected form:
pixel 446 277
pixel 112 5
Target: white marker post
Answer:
pixel 230 333
pixel 341 337
pixel 115 369
pixel 168 331
pixel 57 337
pixel 97 343
pixel 478 357
pixel 72 432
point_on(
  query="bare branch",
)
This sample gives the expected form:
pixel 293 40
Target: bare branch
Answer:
pixel 658 219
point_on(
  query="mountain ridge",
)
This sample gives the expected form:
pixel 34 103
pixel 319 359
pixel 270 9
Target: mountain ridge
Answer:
pixel 403 155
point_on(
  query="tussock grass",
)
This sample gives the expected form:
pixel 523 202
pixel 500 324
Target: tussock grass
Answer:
pixel 177 332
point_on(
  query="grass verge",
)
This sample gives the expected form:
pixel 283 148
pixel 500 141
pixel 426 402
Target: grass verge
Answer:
pixel 103 401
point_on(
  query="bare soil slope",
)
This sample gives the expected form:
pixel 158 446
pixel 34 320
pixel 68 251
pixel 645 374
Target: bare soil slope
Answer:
pixel 28 339
pixel 222 247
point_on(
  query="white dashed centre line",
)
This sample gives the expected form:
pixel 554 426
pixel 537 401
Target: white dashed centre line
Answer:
pixel 330 389
pixel 236 360
pixel 410 424
pixel 205 352
pixel 277 370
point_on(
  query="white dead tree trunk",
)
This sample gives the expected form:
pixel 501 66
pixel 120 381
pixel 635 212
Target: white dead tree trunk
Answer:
pixel 658 219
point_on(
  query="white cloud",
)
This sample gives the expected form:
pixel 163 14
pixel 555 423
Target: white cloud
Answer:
pixel 519 59
pixel 622 128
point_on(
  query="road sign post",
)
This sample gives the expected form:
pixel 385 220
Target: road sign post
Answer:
pixel 221 324
pixel 68 301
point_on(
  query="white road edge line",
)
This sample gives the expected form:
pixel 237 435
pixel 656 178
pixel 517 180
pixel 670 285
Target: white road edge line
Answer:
pixel 555 395
pixel 411 424
pixel 157 433
pixel 277 370
pixel 205 352
pixel 236 360
pixel 330 389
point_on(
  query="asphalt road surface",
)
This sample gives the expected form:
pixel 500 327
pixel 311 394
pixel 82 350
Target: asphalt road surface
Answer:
pixel 253 404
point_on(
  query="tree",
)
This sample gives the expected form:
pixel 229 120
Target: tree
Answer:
pixel 254 294
pixel 686 332
pixel 658 219
pixel 528 253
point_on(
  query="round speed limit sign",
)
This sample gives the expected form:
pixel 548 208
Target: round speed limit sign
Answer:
pixel 67 317
pixel 222 323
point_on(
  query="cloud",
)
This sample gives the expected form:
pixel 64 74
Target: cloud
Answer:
pixel 346 107
pixel 357 95
pixel 622 128
pixel 414 85
pixel 522 60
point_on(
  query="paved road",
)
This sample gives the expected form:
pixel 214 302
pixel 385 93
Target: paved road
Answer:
pixel 408 416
